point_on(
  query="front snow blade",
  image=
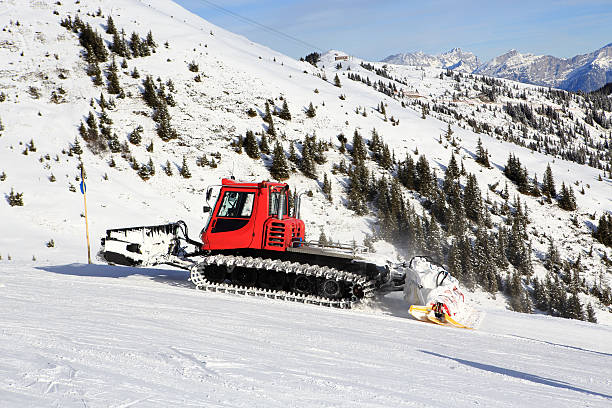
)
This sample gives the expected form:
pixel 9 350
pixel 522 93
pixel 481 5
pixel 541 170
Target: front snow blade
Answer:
pixel 145 246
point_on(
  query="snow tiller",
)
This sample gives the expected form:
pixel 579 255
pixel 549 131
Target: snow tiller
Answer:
pixel 252 246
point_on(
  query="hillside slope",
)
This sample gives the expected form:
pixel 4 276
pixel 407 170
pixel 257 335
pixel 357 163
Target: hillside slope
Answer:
pixel 41 59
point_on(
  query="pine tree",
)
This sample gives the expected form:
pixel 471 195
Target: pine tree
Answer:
pixel 603 233
pixel 467 268
pixel 284 113
pixel 323 239
pixel 135 136
pixel 307 164
pixel 15 199
pixel 267 115
pixel 150 92
pixel 250 145
pixel 311 112
pixel 387 217
pixel 535 187
pixel 519 300
pixel 406 173
pixel 94 71
pixel 279 170
pixel 184 169
pixel 574 310
pixel 151 167
pixel 76 147
pixel 164 129
pixel 449 132
pixel 434 241
pixel 110 26
pixel 150 42
pixel 144 172
pixel 113 80
pixel 113 144
pixel 135 45
pixel 483 261
pixel 381 109
pixel 454 260
pixel 423 178
pixel 90 38
pixel 385 159
pixel 327 188
pixel 337 81
pixel 292 154
pixel 539 295
pixel 567 199
pixel 591 314
pixel 548 184
pixel 271 130
pixel 482 155
pixel 517 173
pixel 451 174
pixel 358 152
pixel 263 145
pixel 358 177
pixel 168 168
pixel 472 200
pixel 119 45
pixel 553 259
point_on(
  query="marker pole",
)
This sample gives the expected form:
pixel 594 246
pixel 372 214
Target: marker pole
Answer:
pixel 84 191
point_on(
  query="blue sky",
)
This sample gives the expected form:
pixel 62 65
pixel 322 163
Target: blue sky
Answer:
pixel 374 29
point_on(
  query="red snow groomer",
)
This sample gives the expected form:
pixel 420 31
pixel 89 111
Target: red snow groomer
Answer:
pixel 252 244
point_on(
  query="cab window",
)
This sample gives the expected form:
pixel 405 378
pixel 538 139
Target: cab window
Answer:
pixel 236 204
pixel 277 199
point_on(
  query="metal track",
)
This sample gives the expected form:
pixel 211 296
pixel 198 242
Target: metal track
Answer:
pixel 198 278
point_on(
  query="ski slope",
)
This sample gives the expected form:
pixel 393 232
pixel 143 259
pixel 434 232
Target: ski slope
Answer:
pixel 74 335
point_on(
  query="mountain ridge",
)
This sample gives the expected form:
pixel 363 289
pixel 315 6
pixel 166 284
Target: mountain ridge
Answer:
pixel 584 72
pixel 455 59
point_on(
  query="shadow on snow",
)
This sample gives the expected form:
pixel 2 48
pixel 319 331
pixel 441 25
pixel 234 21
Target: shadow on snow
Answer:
pixel 172 277
pixel 565 346
pixel 519 374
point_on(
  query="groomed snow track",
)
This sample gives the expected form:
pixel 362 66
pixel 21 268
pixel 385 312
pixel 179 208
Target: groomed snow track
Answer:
pixel 350 281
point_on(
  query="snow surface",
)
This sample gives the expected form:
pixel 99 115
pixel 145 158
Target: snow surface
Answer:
pixel 95 335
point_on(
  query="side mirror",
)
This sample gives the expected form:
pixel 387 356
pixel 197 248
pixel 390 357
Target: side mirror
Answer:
pixel 206 209
pixel 208 194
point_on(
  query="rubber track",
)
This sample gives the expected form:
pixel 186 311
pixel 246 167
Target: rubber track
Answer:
pixel 198 279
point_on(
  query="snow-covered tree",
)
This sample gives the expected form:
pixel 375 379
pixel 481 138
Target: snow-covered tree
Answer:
pixel 280 169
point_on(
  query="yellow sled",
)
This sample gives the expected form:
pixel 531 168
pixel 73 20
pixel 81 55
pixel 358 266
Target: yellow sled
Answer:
pixel 426 314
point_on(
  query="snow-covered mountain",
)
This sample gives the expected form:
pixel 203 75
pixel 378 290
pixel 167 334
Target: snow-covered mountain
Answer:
pixel 586 72
pixel 98 335
pixel 455 59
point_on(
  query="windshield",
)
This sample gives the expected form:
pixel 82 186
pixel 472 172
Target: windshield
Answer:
pixel 236 204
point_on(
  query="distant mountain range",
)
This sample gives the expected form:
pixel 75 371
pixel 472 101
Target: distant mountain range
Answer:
pixel 455 59
pixel 586 72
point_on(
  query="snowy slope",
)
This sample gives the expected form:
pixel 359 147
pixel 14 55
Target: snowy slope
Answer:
pixel 79 335
pixel 210 115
